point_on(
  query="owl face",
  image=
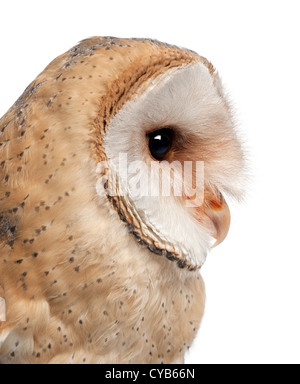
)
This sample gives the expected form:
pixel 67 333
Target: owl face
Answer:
pixel 172 152
pixel 153 121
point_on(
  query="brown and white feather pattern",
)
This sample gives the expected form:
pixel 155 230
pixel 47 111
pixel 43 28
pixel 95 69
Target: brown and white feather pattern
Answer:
pixel 78 287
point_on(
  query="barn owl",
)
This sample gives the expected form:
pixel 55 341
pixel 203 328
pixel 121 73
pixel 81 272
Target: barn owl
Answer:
pixel 92 268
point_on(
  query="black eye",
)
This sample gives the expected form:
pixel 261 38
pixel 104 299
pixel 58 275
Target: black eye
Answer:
pixel 160 142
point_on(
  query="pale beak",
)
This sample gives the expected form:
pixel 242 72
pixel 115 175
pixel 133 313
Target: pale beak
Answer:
pixel 217 210
pixel 214 215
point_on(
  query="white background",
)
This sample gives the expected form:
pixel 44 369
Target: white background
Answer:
pixel 253 278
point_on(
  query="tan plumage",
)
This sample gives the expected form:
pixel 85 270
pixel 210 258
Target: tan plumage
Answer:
pixel 78 287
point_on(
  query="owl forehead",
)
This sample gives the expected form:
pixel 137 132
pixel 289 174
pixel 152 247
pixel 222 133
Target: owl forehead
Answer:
pixel 183 97
pixel 133 71
pixel 121 62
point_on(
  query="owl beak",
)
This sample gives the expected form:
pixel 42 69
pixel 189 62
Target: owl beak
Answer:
pixel 217 212
pixel 214 215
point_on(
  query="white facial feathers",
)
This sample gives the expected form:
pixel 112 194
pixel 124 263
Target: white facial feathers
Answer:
pixel 187 98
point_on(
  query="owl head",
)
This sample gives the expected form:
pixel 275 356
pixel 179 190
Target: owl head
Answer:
pixel 169 150
pixel 152 122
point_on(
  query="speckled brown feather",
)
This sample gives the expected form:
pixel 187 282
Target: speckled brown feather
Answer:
pixel 72 293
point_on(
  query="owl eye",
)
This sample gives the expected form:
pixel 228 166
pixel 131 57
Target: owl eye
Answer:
pixel 160 142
